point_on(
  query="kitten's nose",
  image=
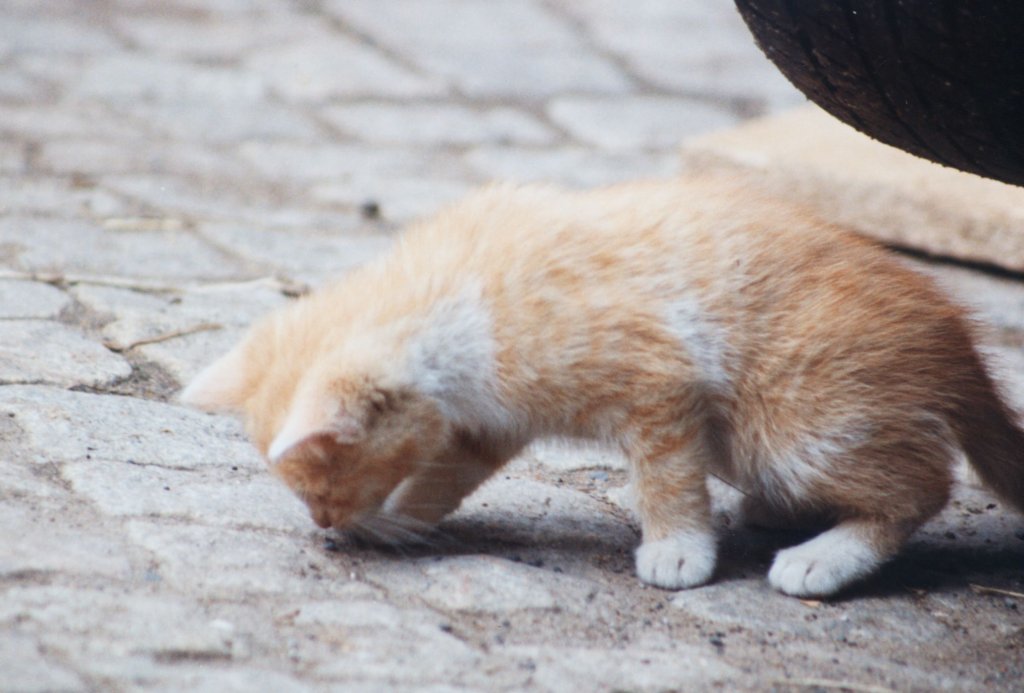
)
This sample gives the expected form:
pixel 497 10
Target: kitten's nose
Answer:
pixel 320 516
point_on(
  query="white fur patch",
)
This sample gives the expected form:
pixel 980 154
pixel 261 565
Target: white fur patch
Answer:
pixel 705 343
pixel 824 565
pixel 452 358
pixel 686 559
pixel 789 474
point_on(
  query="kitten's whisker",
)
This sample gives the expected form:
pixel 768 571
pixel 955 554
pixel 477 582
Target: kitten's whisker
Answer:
pixel 395 530
pixel 421 532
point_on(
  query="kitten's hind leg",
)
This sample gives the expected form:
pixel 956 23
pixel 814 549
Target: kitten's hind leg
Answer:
pixel 829 562
pixel 849 552
pixel 884 497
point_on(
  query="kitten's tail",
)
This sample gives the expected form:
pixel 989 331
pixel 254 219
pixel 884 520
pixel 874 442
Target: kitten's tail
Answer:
pixel 993 442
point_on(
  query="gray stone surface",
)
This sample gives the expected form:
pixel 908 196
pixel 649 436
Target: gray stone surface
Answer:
pixel 505 48
pixel 481 583
pixel 12 158
pixel 170 170
pixel 140 247
pixel 137 318
pixel 437 124
pixel 40 351
pixel 692 47
pixel 638 122
pixel 308 256
pixel 571 165
pixel 310 70
pixel 25 667
pixel 25 299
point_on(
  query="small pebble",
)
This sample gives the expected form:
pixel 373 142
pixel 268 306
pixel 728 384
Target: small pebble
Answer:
pixel 370 209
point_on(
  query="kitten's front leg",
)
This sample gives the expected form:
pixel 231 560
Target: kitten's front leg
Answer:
pixel 679 548
pixel 438 486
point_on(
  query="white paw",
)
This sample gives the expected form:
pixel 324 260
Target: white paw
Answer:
pixel 824 565
pixel 682 560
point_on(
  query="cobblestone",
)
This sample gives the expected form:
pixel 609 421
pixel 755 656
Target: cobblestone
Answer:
pixel 304 255
pixel 38 196
pixel 572 165
pixel 25 299
pixel 144 317
pixel 144 155
pixel 126 247
pixel 641 122
pixel 25 668
pixel 310 72
pixel 33 351
pixel 504 48
pixel 172 169
pixel 437 124
pixel 58 548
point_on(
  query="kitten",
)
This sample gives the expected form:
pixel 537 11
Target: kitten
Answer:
pixel 698 328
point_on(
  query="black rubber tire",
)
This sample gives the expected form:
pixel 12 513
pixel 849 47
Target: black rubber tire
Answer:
pixel 942 79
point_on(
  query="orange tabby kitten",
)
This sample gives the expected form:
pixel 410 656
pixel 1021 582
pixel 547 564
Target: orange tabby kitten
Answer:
pixel 698 328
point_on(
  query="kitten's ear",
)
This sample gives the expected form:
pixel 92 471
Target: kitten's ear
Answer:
pixel 220 386
pixel 315 419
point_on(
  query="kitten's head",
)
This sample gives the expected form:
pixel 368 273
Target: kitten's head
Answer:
pixel 336 425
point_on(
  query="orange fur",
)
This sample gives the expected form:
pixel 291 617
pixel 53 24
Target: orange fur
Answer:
pixel 698 327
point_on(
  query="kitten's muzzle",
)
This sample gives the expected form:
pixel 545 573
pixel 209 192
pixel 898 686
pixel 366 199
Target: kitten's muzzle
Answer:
pixel 321 516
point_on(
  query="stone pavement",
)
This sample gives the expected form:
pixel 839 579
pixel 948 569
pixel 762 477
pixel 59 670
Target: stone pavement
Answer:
pixel 170 169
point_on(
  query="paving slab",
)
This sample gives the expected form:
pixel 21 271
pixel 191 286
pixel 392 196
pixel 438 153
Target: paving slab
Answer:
pixel 25 667
pixel 570 165
pixel 127 247
pixel 437 124
pixel 307 71
pixel 30 196
pixel 507 48
pixel 12 157
pixel 312 255
pixel 172 169
pixel 716 56
pixel 27 299
pixel 41 351
pixel 142 317
pixel 58 425
pixel 637 122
